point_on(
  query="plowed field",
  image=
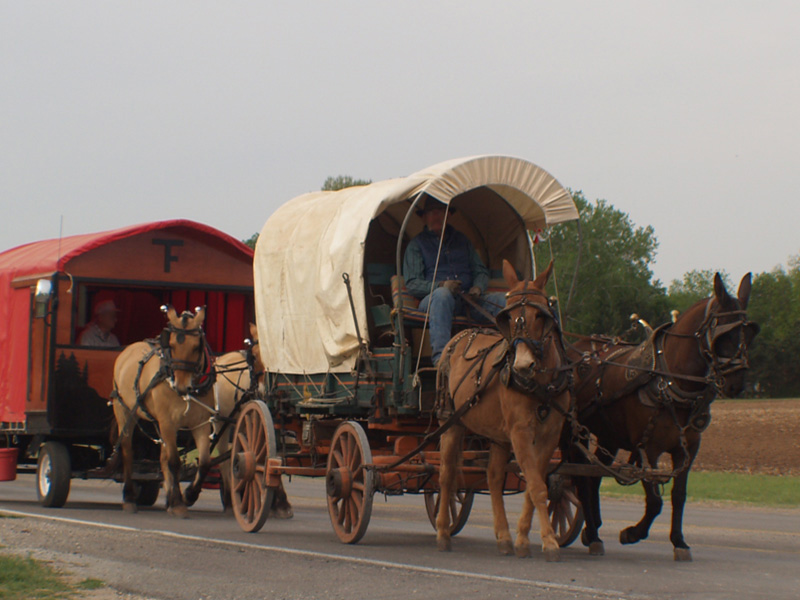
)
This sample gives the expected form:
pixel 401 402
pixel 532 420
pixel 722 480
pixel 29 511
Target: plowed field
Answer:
pixel 752 436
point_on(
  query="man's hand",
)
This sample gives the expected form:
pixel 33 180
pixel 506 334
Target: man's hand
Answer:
pixel 451 284
pixel 474 292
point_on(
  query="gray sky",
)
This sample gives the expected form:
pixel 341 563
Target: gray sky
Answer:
pixel 685 115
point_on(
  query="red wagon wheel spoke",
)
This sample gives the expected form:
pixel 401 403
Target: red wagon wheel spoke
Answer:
pixel 253 444
pixel 349 485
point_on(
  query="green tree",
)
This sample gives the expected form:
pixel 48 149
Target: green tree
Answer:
pixel 613 278
pixel 340 182
pixel 251 241
pixel 775 306
pixel 694 286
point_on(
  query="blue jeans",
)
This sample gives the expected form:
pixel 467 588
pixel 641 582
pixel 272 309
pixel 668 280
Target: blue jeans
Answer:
pixel 444 306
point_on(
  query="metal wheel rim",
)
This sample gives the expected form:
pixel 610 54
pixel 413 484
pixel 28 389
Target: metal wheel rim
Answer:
pixel 351 513
pixel 45 473
pixel 254 437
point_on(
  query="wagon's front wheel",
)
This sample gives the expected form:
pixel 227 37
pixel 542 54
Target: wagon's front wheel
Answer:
pixel 460 507
pixel 349 485
pixel 253 445
pixel 564 509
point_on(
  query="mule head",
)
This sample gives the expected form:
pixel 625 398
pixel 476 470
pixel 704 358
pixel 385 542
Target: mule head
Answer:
pixel 527 319
pixel 724 335
pixel 184 346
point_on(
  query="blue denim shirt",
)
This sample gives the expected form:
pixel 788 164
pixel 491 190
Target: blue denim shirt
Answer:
pixel 459 260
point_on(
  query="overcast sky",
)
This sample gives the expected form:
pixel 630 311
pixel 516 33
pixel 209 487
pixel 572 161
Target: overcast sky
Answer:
pixel 685 115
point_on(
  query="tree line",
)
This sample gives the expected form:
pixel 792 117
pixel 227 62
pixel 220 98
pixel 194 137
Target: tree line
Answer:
pixel 603 265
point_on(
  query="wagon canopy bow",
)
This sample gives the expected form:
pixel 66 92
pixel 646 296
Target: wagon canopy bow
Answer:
pixel 302 307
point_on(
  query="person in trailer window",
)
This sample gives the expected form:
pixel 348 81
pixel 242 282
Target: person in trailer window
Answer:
pixel 98 332
pixel 460 269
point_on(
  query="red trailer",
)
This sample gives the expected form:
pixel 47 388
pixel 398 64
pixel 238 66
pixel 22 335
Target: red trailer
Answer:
pixel 53 391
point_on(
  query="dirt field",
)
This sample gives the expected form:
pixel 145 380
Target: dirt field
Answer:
pixel 752 436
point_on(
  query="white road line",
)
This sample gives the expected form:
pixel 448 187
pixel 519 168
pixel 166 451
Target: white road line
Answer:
pixel 542 585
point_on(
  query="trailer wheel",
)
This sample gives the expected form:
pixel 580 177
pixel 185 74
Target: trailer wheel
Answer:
pixel 460 507
pixel 348 483
pixel 53 474
pixel 148 492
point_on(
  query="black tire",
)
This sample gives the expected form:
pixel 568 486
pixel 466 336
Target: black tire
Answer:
pixel 53 475
pixel 148 492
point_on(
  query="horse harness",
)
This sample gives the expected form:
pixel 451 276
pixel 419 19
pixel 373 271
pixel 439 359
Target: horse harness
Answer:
pixel 167 366
pixel 501 364
pixel 645 370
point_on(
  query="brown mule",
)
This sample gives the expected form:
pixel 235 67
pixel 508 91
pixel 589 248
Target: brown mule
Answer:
pixel 518 395
pixel 241 374
pixel 168 381
pixel 655 398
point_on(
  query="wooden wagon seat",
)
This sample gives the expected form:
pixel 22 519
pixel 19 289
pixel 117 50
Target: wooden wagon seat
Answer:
pixel 414 317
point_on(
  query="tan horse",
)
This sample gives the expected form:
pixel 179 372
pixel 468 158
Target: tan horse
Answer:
pixel 510 387
pixel 168 381
pixel 655 398
pixel 240 377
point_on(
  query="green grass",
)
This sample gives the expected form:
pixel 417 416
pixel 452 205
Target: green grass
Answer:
pixel 29 579
pixel 762 490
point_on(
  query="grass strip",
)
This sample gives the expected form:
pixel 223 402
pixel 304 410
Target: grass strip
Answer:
pixel 762 490
pixel 28 579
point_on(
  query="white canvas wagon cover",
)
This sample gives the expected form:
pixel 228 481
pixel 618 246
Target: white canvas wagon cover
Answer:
pixel 305 323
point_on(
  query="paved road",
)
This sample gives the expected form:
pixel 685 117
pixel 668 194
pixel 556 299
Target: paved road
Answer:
pixel 738 552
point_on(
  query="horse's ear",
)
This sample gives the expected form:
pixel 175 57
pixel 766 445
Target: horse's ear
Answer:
pixel 170 312
pixel 510 275
pixel 199 317
pixel 543 278
pixel 719 290
pixel 744 290
pixel 253 332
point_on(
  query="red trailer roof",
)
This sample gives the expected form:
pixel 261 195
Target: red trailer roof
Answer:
pixel 49 256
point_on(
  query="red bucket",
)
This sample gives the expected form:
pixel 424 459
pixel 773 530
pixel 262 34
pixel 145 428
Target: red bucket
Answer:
pixel 8 464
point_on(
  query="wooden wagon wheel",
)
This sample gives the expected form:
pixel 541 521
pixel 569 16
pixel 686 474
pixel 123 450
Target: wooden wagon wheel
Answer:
pixel 564 509
pixel 348 484
pixel 460 507
pixel 253 444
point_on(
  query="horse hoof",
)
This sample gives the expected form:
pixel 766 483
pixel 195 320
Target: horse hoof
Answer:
pixel 281 513
pixel 179 511
pixel 505 547
pixel 597 548
pixel 552 554
pixel 189 497
pixel 683 555
pixel 443 545
pixel 627 536
pixel 129 507
pixel 522 551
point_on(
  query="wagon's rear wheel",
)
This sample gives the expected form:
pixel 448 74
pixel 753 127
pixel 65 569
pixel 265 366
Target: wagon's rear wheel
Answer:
pixel 253 444
pixel 53 474
pixel 349 485
pixel 564 509
pixel 460 507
